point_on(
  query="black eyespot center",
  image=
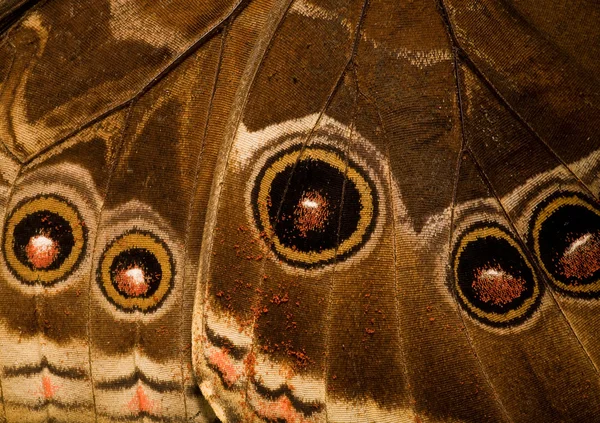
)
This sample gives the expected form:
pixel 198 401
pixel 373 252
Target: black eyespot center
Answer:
pixel 136 272
pixel 316 206
pixel 306 216
pixel 51 226
pixel 44 240
pixel 493 280
pixel 565 236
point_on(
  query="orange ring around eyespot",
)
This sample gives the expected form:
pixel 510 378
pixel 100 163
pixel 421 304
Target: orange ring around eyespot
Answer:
pixel 494 318
pixel 332 159
pixel 65 210
pixel 150 243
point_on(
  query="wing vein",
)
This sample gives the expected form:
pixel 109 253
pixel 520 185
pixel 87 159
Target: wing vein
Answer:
pixel 155 80
pixel 459 162
pixel 255 63
pixel 91 278
pixel 6 213
pixel 192 200
pixel 460 52
pixel 394 246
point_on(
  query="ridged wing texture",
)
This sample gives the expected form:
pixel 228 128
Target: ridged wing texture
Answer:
pixel 103 205
pixel 108 54
pixel 391 235
pixel 300 211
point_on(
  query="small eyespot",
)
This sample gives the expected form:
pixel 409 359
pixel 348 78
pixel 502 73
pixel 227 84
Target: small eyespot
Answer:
pixel 44 240
pixel 493 280
pixel 314 206
pixel 136 272
pixel 566 241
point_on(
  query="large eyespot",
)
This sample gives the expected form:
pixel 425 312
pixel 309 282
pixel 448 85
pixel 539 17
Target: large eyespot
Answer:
pixel 493 280
pixel 315 206
pixel 136 272
pixel 44 240
pixel 566 239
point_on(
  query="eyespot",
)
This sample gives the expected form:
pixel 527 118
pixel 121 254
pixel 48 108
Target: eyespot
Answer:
pixel 493 280
pixel 566 240
pixel 136 272
pixel 44 240
pixel 314 206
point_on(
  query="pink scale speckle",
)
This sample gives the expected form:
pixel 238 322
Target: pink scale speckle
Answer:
pixel 140 401
pixel 222 361
pixel 132 281
pixel 41 251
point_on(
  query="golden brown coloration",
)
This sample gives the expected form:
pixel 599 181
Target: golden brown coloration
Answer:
pixel 299 211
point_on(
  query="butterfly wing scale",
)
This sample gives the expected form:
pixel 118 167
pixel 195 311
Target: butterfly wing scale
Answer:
pixel 140 358
pixel 123 367
pixel 428 329
pixel 240 331
pixel 534 70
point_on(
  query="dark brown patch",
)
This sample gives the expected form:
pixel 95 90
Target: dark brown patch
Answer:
pixel 76 53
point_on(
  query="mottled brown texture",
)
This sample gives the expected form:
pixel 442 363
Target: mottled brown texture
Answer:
pixel 158 118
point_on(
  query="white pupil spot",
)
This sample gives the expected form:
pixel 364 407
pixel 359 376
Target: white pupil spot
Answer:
pixel 579 242
pixel 41 243
pixel 135 276
pixel 132 281
pixel 310 204
pixel 492 273
pixel 41 251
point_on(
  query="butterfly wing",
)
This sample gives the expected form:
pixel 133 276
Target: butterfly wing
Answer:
pixel 106 63
pixel 123 167
pixel 446 126
pixel 391 209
